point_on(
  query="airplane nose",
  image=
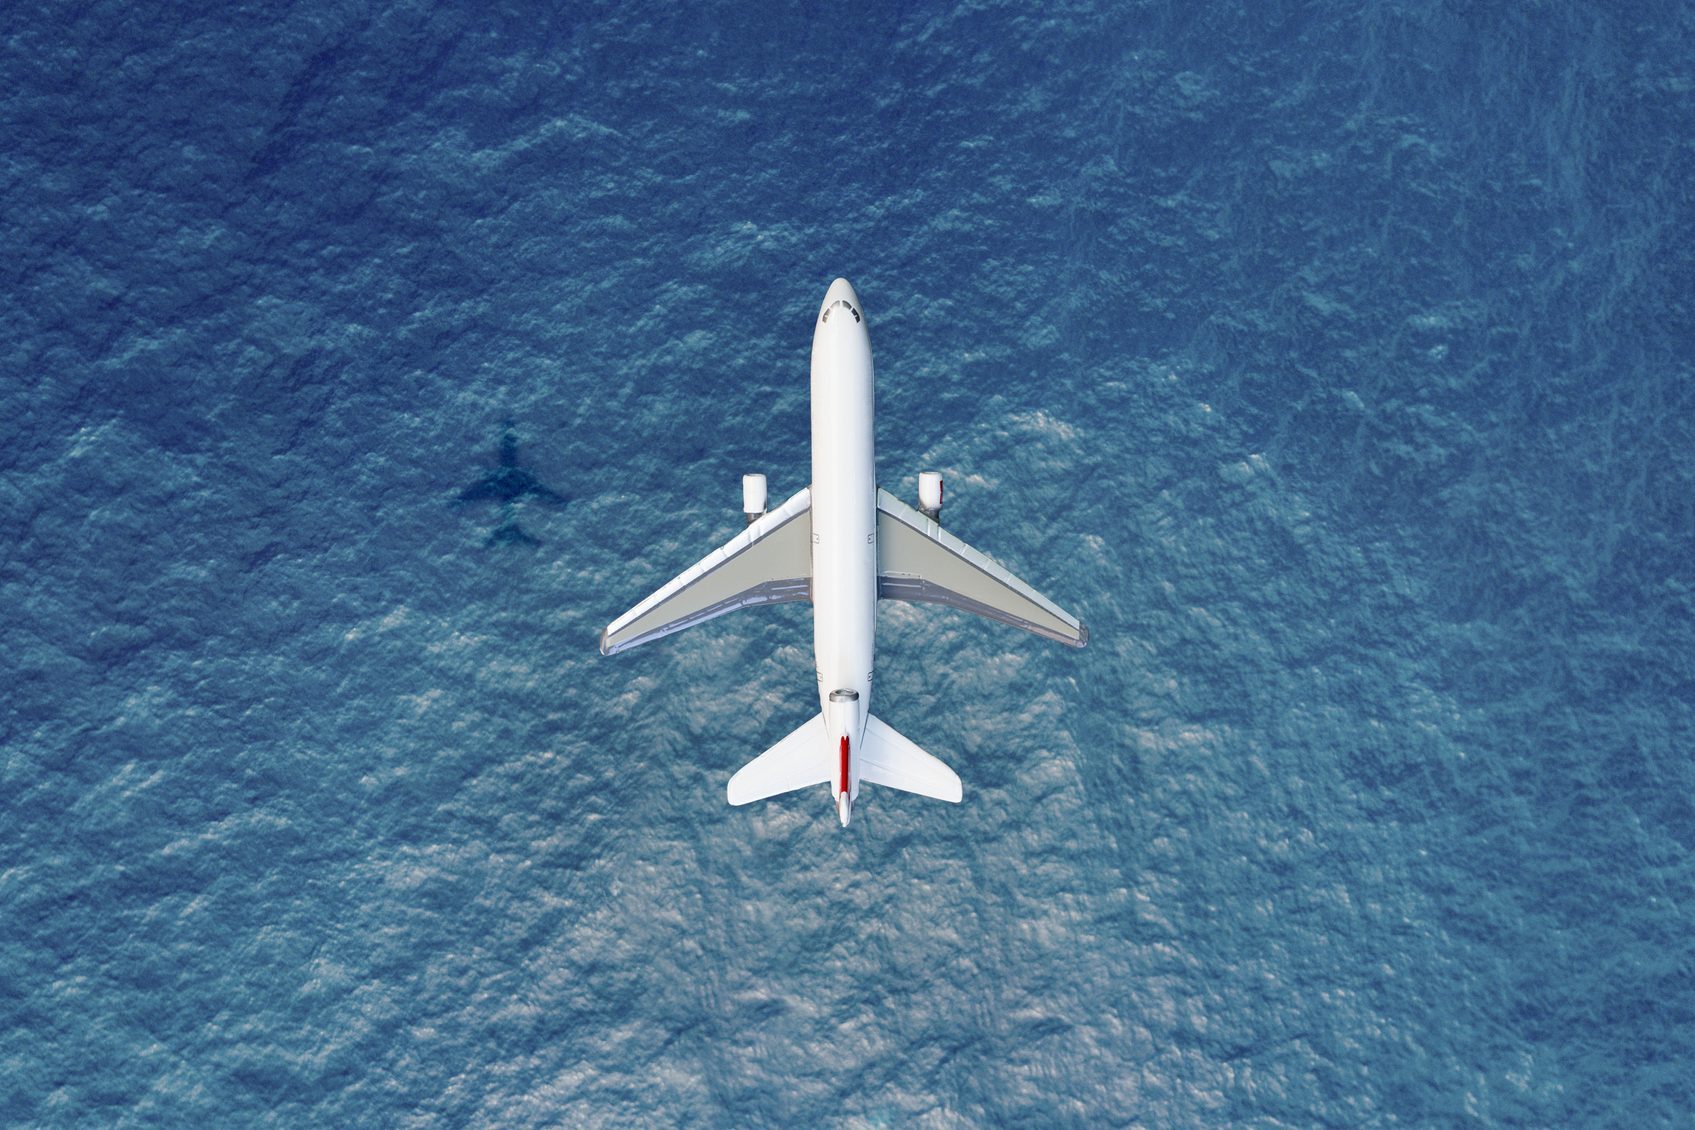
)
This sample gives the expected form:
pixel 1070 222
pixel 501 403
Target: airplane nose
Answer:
pixel 841 299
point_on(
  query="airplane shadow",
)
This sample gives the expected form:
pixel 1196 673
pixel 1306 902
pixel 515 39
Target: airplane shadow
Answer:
pixel 509 485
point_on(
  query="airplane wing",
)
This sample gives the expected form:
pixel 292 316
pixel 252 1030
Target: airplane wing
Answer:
pixel 768 563
pixel 545 494
pixel 917 560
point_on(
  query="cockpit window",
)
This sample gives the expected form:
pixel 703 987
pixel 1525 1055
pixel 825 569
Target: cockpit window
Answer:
pixel 844 304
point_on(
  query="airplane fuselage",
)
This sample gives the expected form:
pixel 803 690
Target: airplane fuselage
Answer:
pixel 844 544
pixel 844 530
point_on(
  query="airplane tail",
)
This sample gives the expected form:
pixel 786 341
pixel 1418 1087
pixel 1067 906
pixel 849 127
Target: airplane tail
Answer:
pixel 892 760
pixel 799 760
pixel 887 758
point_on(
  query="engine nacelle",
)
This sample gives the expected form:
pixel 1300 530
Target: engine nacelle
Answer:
pixel 753 497
pixel 930 494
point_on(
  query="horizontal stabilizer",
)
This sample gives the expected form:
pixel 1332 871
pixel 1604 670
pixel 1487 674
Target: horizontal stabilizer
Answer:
pixel 799 760
pixel 917 560
pixel 890 759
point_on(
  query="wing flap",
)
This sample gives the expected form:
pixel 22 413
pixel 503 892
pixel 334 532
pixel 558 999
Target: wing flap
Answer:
pixel 917 560
pixel 770 562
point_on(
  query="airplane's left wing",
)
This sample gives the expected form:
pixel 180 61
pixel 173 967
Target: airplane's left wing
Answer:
pixel 768 563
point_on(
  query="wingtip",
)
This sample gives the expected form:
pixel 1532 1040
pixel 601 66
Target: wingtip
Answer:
pixel 1082 635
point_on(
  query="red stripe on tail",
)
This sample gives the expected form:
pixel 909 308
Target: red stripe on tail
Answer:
pixel 844 763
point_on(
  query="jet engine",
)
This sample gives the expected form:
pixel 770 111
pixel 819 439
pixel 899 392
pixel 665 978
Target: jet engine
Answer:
pixel 930 494
pixel 753 497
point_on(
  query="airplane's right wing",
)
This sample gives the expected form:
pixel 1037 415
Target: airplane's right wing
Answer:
pixel 767 563
pixel 918 560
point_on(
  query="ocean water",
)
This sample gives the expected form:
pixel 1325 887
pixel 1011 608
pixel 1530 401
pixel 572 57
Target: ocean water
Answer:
pixel 1332 362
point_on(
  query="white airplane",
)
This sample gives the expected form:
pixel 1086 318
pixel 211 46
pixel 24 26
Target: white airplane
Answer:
pixel 843 543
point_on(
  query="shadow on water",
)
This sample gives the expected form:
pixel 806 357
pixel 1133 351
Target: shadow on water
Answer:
pixel 509 485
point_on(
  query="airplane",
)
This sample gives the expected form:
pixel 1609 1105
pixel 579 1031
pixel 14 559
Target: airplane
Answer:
pixel 507 484
pixel 842 543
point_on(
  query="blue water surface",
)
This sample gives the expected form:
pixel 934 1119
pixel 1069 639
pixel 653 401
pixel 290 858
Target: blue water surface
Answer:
pixel 1333 362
